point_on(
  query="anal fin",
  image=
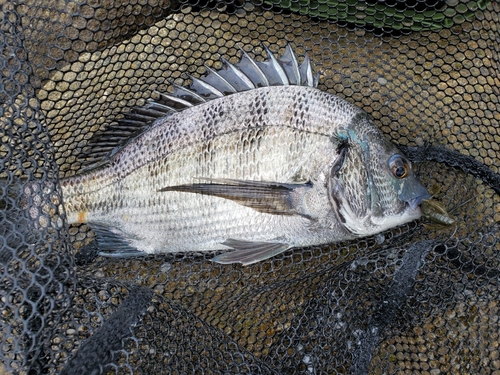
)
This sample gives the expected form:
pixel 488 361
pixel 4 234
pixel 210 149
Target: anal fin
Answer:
pixel 249 252
pixel 112 244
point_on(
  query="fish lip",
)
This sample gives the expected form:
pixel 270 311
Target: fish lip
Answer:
pixel 414 203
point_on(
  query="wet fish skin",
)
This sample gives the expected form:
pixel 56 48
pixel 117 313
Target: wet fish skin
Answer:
pixel 258 171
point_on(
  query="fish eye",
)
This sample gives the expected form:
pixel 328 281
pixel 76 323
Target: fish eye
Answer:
pixel 399 166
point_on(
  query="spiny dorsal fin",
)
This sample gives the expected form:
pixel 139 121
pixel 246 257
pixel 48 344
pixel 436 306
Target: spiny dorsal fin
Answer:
pixel 245 75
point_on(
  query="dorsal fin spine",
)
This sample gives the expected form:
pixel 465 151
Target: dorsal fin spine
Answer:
pixel 247 63
pixel 306 72
pixel 211 90
pixel 181 90
pixel 290 65
pixel 175 99
pixel 272 64
pixel 242 77
pixel 278 66
pixel 158 113
pixel 159 107
pixel 213 73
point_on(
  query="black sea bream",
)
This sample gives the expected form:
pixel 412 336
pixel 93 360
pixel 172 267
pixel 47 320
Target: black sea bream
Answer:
pixel 258 161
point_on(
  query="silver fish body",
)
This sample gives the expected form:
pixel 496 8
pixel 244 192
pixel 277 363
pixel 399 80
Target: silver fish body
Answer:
pixel 258 171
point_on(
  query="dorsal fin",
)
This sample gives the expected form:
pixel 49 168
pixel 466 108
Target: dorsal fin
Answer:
pixel 245 75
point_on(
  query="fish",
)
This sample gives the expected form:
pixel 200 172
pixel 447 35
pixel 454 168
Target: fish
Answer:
pixel 252 159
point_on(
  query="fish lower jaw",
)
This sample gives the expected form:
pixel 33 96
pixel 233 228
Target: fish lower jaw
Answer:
pixel 397 220
pixel 370 225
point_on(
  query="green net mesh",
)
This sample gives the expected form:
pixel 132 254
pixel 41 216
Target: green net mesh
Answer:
pixel 418 299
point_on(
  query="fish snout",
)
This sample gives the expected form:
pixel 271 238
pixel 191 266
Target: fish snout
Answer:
pixel 415 196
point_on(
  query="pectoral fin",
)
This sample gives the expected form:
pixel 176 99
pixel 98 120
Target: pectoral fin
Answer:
pixel 267 197
pixel 248 252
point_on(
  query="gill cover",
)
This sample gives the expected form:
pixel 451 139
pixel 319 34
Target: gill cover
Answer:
pixel 372 185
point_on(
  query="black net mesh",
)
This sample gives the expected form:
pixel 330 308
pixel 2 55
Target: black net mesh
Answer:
pixel 419 299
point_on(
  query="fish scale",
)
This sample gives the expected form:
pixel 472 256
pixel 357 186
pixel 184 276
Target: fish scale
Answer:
pixel 256 171
pixel 195 209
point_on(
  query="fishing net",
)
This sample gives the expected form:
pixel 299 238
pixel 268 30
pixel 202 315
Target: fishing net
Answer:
pixel 422 298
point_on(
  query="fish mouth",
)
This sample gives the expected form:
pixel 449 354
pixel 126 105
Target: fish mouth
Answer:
pixel 417 201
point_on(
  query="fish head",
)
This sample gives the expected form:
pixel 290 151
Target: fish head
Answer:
pixel 372 185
